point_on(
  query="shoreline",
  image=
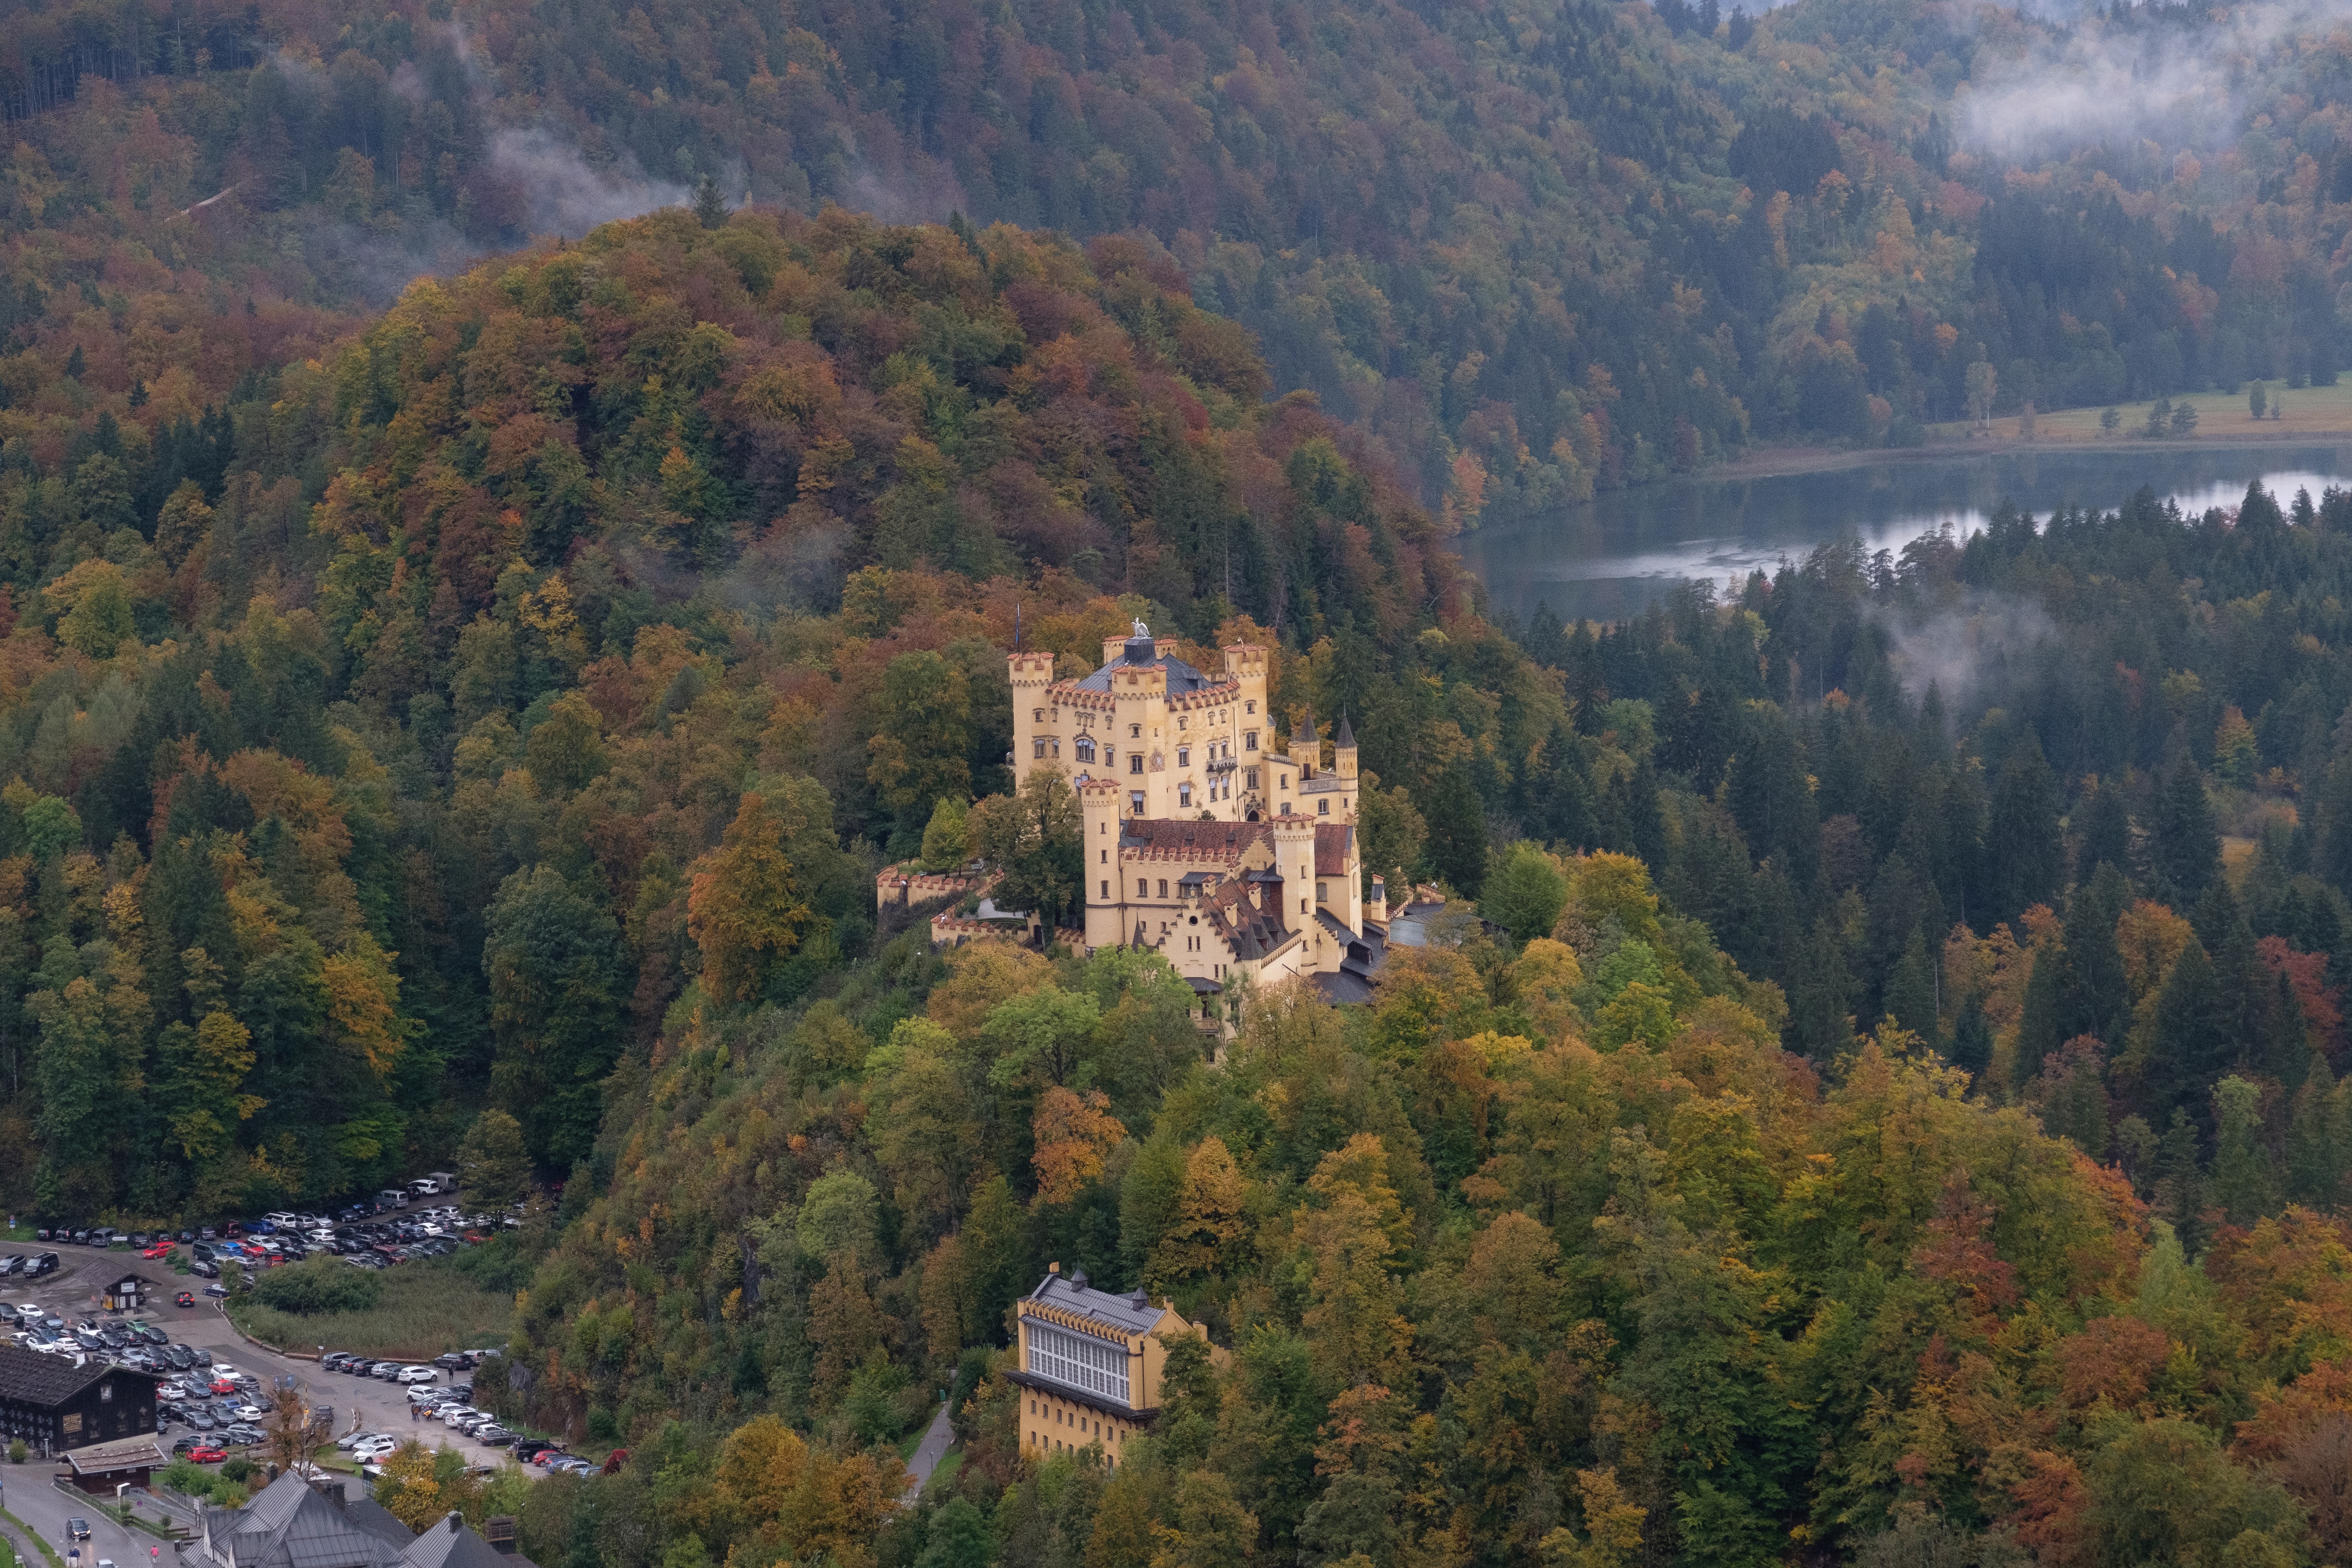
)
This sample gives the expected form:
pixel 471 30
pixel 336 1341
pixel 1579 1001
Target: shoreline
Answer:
pixel 1790 462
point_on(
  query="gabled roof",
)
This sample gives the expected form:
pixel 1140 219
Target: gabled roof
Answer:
pixel 124 1453
pixel 447 1544
pixel 1251 931
pixel 39 1379
pixel 291 1525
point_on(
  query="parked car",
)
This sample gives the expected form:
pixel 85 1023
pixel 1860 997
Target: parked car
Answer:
pixel 215 1289
pixel 206 1454
pixel 160 1249
pixel 353 1440
pixel 418 1375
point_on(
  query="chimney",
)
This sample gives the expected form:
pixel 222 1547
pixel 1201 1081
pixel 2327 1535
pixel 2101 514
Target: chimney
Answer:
pixel 1053 1268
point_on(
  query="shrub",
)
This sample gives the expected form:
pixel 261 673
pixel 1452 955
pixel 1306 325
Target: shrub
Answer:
pixel 16 1451
pixel 319 1285
pixel 237 1469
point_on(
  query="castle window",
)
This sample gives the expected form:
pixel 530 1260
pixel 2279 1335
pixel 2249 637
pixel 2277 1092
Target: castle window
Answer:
pixel 1183 756
pixel 1106 892
pixel 1163 886
pixel 1249 778
pixel 1249 707
pixel 1142 887
pixel 1322 893
pixel 1086 748
pixel 1183 795
pixel 1249 740
pixel 1135 732
pixel 1134 801
pixel 1040 715
pixel 1040 747
pixel 1106 856
pixel 1135 763
pixel 1322 808
pixel 1057 745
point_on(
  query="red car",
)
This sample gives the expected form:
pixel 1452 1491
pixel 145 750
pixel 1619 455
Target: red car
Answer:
pixel 206 1456
pixel 185 1298
pixel 223 1385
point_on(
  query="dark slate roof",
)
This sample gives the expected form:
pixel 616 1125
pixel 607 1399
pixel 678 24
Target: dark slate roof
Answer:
pixel 291 1525
pixel 1250 930
pixel 39 1379
pixel 1128 1314
pixel 1347 735
pixel 376 1520
pixel 1181 677
pixel 449 1544
pixel 1344 986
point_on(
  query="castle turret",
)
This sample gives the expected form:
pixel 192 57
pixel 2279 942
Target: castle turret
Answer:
pixel 1376 906
pixel 1098 823
pixel 1343 749
pixel 1032 734
pixel 1294 862
pixel 1306 745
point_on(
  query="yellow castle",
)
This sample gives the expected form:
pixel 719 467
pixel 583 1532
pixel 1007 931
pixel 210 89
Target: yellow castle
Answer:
pixel 1210 839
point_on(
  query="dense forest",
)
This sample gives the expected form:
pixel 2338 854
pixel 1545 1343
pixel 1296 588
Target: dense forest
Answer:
pixel 1874 1090
pixel 1531 250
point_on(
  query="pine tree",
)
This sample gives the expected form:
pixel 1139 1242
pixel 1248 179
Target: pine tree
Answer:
pixel 2103 828
pixel 2037 1028
pixel 2181 1183
pixel 1911 990
pixel 1821 1025
pixel 2094 995
pixel 2316 1157
pixel 2184 848
pixel 2022 843
pixel 709 206
pixel 1972 1040
pixel 2192 1036
pixel 2246 1184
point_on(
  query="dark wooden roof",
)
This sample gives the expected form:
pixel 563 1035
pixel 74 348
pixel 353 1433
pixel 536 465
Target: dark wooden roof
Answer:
pixel 39 1379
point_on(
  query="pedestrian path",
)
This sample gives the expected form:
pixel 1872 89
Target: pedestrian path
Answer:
pixel 936 1440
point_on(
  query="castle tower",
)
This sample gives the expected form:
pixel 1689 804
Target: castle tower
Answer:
pixel 1032 673
pixel 1343 749
pixel 1376 907
pixel 1103 877
pixel 1306 745
pixel 1294 862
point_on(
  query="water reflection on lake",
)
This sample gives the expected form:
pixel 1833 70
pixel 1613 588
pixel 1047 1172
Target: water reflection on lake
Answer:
pixel 1610 559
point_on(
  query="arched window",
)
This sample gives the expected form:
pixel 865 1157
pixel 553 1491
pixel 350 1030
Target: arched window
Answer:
pixel 1086 748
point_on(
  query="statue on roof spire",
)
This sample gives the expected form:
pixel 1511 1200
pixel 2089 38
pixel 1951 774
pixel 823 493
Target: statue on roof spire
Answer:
pixel 1141 629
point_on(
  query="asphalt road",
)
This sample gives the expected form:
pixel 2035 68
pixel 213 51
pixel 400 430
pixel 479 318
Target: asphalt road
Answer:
pixel 72 1292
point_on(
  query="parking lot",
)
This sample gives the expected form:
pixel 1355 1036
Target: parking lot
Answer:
pixel 358 1402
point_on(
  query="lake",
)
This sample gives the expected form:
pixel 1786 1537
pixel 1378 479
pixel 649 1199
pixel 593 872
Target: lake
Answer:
pixel 1609 560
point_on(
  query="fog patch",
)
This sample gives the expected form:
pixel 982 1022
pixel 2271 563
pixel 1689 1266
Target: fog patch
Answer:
pixel 1967 650
pixel 2178 84
pixel 567 196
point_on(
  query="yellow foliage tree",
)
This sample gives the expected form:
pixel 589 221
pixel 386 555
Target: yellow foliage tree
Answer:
pixel 1209 1215
pixel 744 907
pixel 1073 1135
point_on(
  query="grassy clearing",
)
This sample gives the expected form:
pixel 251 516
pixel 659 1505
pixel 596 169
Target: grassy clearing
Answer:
pixel 2316 412
pixel 425 1309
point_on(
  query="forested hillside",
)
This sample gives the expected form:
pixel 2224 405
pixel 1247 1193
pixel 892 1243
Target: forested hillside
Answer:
pixel 1533 251
pixel 402 739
